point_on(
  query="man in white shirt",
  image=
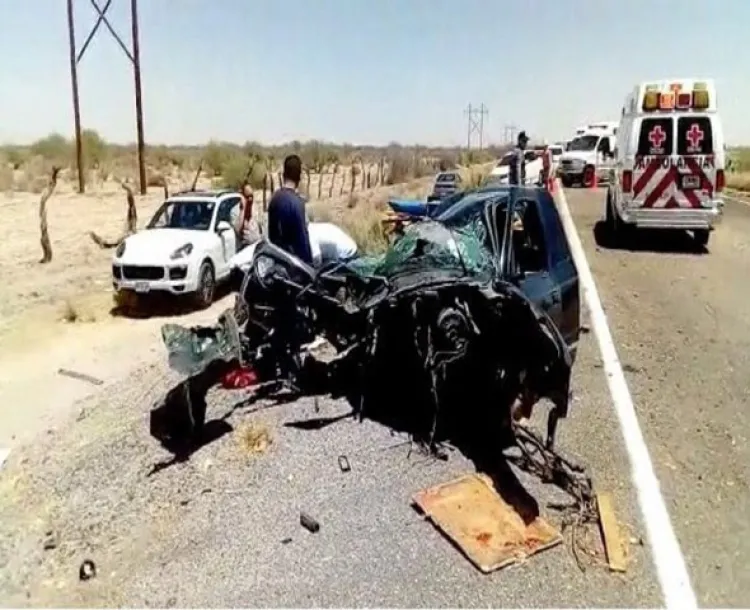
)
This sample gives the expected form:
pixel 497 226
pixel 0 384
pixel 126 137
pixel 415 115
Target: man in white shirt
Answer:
pixel 329 243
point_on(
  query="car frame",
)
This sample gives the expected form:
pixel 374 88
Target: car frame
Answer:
pixel 179 261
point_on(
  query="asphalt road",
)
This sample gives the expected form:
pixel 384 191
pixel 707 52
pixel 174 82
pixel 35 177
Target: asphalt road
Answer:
pixel 210 531
pixel 681 322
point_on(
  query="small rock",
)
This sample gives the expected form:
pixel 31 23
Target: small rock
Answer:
pixel 87 571
pixel 50 541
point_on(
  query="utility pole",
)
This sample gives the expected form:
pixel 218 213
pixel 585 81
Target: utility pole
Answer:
pixel 76 101
pixel 135 60
pixel 475 125
pixel 509 133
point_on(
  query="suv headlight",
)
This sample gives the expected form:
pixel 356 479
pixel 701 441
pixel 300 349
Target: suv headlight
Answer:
pixel 182 252
pixel 120 249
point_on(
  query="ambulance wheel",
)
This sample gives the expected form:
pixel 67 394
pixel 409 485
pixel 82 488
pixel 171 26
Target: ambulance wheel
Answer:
pixel 610 218
pixel 701 237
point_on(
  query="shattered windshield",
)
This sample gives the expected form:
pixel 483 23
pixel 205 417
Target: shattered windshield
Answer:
pixel 432 246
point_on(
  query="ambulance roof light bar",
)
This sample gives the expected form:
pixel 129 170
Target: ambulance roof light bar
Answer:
pixel 655 99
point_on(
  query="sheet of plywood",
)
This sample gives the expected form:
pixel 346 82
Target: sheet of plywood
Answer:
pixel 489 531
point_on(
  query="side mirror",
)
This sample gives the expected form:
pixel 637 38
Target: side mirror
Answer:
pixel 223 226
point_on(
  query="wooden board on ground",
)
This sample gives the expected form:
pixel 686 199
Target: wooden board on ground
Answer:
pixel 614 543
pixel 486 527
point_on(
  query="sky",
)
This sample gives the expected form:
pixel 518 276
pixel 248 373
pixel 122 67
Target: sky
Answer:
pixel 363 71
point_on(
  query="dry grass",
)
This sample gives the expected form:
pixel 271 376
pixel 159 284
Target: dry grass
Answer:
pixel 254 439
pixel 739 181
pixel 738 177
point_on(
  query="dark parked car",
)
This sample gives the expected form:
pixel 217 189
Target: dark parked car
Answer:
pixel 446 184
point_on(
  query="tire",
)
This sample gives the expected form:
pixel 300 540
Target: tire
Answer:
pixel 204 295
pixel 610 217
pixel 567 181
pixel 701 237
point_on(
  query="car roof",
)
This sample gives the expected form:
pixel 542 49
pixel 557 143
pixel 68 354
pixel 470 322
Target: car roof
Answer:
pixel 203 194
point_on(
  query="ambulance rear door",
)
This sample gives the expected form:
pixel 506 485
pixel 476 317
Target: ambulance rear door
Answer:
pixel 675 165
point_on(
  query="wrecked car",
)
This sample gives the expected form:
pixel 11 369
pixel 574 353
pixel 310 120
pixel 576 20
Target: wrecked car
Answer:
pixel 468 320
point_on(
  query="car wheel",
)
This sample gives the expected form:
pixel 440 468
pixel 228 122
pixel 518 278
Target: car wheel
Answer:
pixel 701 237
pixel 204 294
pixel 567 182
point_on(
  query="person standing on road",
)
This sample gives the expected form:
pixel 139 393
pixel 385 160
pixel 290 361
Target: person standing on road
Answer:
pixel 517 171
pixel 287 223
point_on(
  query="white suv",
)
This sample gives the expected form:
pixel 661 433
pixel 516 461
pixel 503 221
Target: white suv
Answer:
pixel 184 250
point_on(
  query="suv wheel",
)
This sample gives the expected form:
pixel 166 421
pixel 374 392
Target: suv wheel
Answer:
pixel 204 295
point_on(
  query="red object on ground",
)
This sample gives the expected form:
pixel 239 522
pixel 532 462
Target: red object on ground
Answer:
pixel 239 378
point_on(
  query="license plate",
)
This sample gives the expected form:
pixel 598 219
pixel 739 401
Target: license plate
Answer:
pixel 691 182
pixel 142 287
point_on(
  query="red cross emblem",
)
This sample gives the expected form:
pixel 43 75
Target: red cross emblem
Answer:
pixel 694 135
pixel 657 136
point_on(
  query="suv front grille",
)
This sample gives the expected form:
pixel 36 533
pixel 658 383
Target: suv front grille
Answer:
pixel 138 272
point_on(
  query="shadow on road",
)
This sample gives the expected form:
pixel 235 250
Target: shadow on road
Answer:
pixel 148 306
pixel 648 240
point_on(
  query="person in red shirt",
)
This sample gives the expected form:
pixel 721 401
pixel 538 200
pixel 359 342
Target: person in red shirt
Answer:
pixel 245 227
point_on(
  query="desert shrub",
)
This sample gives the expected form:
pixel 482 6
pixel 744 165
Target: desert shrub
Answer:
pixel 235 171
pixel 54 148
pixel 215 157
pixel 94 149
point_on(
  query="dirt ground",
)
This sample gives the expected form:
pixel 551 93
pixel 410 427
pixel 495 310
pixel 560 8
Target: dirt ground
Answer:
pixel 61 314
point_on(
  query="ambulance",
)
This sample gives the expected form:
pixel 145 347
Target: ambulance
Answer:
pixel 587 153
pixel 669 159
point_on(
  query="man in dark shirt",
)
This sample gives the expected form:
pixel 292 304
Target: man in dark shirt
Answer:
pixel 287 224
pixel 517 172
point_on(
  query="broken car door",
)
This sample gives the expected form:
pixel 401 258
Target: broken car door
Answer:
pixel 527 260
pixel 562 268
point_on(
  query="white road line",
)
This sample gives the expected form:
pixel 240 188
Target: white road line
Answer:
pixel 667 557
pixel 737 199
pixel 4 453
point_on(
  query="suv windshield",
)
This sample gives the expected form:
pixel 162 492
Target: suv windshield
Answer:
pixel 584 143
pixel 193 215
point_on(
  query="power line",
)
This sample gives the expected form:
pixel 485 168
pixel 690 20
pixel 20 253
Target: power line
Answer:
pixel 509 133
pixel 132 54
pixel 475 123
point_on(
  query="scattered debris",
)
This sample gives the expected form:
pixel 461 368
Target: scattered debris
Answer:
pixel 309 523
pixel 344 465
pixel 51 541
pixel 4 453
pixel 87 571
pixel 286 541
pixel 614 543
pixel 239 378
pixel 80 376
pixel 492 531
pixel 255 438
